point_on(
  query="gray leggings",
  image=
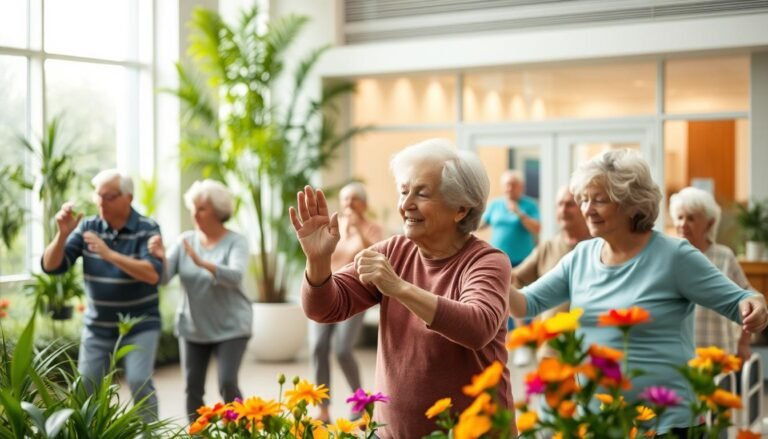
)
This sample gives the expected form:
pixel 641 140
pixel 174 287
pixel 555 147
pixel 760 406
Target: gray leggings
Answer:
pixel 195 358
pixel 346 333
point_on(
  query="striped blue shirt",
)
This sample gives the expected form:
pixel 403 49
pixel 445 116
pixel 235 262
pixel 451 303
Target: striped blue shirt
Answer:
pixel 110 290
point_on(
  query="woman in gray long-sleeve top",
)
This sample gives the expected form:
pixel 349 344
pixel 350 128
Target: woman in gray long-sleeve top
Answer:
pixel 214 316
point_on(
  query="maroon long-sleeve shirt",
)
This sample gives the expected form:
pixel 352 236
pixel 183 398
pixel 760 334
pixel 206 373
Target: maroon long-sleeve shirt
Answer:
pixel 418 364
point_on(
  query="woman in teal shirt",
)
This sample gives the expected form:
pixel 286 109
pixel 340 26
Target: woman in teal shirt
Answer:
pixel 629 264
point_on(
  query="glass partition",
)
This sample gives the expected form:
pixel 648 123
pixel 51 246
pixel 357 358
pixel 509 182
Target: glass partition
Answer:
pixel 707 85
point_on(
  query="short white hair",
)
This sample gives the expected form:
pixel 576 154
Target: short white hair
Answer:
pixel 357 189
pixel 694 200
pixel 107 175
pixel 214 192
pixel 463 180
pixel 512 174
pixel 626 177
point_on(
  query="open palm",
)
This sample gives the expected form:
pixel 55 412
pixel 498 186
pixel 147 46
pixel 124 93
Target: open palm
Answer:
pixel 317 232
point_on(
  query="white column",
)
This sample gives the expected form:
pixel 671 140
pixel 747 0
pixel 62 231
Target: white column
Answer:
pixel 758 128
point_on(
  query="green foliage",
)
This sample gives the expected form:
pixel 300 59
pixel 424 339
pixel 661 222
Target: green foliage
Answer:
pixel 753 220
pixel 37 403
pixel 54 292
pixel 147 196
pixel 264 150
pixel 12 213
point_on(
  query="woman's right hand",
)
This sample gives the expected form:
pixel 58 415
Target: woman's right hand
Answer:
pixel 156 247
pixel 318 233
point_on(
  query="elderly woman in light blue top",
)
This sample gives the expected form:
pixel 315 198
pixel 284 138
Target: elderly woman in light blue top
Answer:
pixel 214 316
pixel 630 264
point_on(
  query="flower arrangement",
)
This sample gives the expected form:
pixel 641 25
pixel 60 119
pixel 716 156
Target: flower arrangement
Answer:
pixel 582 389
pixel 287 417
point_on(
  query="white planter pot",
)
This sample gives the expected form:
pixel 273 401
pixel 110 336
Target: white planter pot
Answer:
pixel 754 251
pixel 279 331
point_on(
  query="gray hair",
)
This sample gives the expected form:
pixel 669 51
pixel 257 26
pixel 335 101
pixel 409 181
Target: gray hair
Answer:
pixel 356 188
pixel 512 174
pixel 213 191
pixel 694 200
pixel 626 177
pixel 107 175
pixel 463 180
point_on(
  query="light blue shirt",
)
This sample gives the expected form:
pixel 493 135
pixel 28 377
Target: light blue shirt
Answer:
pixel 508 233
pixel 666 278
pixel 213 308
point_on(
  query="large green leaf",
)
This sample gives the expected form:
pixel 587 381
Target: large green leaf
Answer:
pixel 22 356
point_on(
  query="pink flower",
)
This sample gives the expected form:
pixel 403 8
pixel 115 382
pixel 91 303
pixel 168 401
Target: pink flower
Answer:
pixel 230 415
pixel 609 368
pixel 534 385
pixel 361 399
pixel 661 396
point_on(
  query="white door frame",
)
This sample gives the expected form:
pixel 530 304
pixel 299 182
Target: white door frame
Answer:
pixel 554 140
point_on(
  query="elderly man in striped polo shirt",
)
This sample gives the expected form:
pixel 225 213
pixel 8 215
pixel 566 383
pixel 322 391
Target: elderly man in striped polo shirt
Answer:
pixel 121 276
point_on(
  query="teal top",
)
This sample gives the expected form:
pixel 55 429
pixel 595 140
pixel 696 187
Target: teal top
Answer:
pixel 508 233
pixel 666 278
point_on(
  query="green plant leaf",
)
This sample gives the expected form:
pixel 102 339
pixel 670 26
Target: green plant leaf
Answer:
pixel 22 357
pixel 56 422
pixel 13 412
pixel 37 415
pixel 123 351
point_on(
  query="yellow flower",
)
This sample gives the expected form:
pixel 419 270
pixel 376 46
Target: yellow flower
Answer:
pixel 472 427
pixel 438 407
pixel 477 406
pixel 644 413
pixel 564 321
pixel 526 421
pixel 256 409
pixel 306 391
pixel 344 425
pixel 607 399
pixel 485 380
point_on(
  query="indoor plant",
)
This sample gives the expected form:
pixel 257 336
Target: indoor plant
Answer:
pixel 753 220
pixel 263 148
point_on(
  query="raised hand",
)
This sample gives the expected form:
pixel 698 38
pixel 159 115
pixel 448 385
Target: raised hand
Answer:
pixel 156 247
pixel 66 221
pixel 318 233
pixel 191 252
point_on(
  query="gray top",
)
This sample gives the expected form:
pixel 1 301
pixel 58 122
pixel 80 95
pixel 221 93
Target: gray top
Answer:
pixel 212 309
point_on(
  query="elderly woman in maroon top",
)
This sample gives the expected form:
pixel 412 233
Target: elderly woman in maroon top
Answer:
pixel 442 291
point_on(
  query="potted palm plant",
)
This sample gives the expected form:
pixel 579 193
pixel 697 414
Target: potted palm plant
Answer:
pixel 753 220
pixel 263 148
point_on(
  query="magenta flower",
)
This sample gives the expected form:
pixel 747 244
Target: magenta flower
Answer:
pixel 361 399
pixel 230 415
pixel 535 386
pixel 610 369
pixel 661 396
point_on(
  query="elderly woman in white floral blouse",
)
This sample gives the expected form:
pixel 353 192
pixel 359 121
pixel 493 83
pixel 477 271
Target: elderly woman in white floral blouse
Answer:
pixel 696 215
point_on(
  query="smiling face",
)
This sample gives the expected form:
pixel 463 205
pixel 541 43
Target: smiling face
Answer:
pixel 428 220
pixel 604 217
pixel 114 206
pixel 693 226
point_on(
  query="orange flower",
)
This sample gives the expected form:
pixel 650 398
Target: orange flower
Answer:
pixel 532 335
pixel 746 434
pixel 485 380
pixel 605 352
pixel 724 398
pixel 566 409
pixel 526 421
pixel 707 358
pixel 255 409
pixel 438 407
pixel 624 318
pixel 5 303
pixel 551 370
pixel 197 427
pixel 560 392
pixel 476 407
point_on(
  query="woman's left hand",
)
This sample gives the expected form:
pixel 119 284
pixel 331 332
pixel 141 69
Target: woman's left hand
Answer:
pixel 191 252
pixel 373 268
pixel 754 314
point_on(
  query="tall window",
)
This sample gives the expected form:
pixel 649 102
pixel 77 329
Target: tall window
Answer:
pixel 87 62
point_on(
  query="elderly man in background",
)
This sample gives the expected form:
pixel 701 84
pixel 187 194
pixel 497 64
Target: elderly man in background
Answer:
pixel 573 229
pixel 121 277
pixel 515 224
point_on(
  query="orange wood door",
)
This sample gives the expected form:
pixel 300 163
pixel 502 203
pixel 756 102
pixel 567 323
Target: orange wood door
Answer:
pixel 712 154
